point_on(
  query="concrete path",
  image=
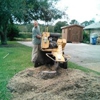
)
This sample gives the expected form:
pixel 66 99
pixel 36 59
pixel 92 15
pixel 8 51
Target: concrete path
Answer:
pixel 27 43
pixel 83 54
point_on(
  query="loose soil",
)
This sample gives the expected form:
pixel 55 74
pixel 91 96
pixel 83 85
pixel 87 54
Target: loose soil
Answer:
pixel 70 84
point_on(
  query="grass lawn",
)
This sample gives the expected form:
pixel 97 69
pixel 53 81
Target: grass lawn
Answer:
pixel 75 66
pixel 16 57
pixel 13 58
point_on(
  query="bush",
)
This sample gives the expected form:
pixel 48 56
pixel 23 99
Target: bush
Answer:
pixel 12 32
pixel 25 35
pixel 86 38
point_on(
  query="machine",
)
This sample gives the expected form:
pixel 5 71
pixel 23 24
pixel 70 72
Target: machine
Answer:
pixel 52 51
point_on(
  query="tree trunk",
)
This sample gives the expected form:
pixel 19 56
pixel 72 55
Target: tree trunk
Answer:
pixel 4 38
pixel 3 34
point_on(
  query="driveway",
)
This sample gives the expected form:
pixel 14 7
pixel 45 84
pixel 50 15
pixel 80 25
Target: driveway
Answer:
pixel 83 54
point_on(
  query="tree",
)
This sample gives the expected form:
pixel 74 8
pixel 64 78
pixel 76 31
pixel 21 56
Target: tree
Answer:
pixel 74 22
pixel 9 10
pixel 42 9
pixel 91 22
pixel 85 37
pixel 12 32
pixel 58 26
pixel 86 23
pixel 25 11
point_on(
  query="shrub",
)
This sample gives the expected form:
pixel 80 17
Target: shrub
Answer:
pixel 12 32
pixel 85 37
pixel 25 35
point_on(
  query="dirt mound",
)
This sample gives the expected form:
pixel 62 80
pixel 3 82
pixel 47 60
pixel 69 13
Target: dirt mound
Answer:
pixel 70 84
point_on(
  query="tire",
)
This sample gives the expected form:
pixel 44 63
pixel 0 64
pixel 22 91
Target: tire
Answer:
pixel 64 65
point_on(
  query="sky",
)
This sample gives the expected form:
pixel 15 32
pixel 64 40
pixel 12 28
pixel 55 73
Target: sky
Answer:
pixel 81 10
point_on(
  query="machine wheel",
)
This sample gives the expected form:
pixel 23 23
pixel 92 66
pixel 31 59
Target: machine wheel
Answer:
pixel 63 65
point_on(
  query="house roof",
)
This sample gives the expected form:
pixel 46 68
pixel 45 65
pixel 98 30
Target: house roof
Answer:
pixel 71 26
pixel 93 26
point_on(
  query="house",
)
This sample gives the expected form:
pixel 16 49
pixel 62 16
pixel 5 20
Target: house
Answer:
pixel 72 33
pixel 93 29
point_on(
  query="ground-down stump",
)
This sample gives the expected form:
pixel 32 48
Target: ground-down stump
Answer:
pixel 44 83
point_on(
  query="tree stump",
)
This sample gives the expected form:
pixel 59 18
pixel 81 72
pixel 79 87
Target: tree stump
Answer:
pixel 48 74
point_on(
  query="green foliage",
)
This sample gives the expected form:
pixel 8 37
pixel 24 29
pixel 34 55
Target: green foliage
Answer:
pixel 42 9
pixel 19 58
pixel 86 23
pixel 10 10
pixel 25 27
pixel 58 26
pixel 91 22
pixel 85 37
pixel 25 35
pixel 75 66
pixel 25 11
pixel 29 27
pixel 12 32
pixel 22 28
pixel 43 28
pixel 51 28
pixel 74 22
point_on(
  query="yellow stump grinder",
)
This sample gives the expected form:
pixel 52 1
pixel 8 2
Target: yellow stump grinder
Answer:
pixel 52 51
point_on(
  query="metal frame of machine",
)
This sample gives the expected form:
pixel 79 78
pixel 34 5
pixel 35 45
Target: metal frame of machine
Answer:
pixel 55 53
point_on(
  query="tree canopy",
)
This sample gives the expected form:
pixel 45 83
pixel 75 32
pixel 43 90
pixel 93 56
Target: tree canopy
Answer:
pixel 58 26
pixel 74 22
pixel 25 11
pixel 41 9
pixel 86 23
pixel 10 10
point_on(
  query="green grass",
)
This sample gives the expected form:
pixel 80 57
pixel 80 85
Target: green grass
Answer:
pixel 13 58
pixel 75 66
pixel 16 57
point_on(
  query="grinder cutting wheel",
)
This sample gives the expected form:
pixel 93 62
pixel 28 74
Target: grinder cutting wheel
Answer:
pixel 51 53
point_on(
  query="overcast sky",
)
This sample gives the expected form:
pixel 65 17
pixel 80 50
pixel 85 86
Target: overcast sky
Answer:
pixel 81 10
